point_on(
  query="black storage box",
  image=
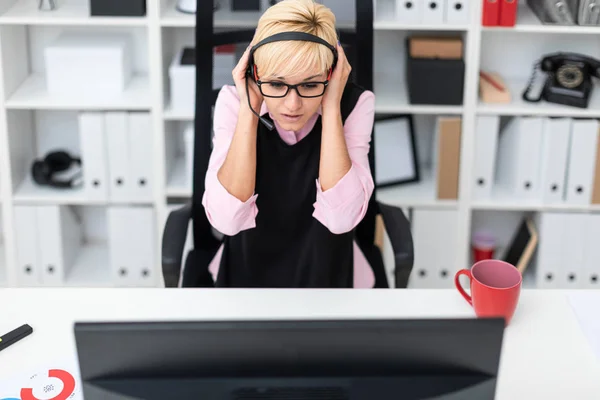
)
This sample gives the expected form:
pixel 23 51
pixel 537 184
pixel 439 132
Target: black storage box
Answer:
pixel 245 5
pixel 118 8
pixel 434 81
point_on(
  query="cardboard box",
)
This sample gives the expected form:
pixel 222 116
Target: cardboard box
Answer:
pixel 435 47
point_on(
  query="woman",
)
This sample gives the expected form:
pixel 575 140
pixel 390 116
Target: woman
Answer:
pixel 287 200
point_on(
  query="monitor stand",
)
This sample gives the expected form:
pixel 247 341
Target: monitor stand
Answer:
pixel 447 387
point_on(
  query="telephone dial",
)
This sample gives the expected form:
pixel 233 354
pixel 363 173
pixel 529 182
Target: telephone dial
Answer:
pixel 569 79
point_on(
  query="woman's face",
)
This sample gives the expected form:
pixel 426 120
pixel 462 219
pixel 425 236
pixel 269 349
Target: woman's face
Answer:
pixel 292 111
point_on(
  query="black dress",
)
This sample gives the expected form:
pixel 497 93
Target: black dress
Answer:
pixel 289 248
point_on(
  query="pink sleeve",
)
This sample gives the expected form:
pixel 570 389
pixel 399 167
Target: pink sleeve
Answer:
pixel 225 212
pixel 343 206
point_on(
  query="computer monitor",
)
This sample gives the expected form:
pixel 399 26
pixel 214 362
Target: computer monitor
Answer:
pixel 290 359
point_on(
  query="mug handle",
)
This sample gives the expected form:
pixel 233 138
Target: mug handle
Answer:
pixel 464 294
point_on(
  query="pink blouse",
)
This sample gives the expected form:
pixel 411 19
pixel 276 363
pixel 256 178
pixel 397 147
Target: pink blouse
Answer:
pixel 339 208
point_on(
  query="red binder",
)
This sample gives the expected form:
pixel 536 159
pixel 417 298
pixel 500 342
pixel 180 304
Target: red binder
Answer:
pixel 491 12
pixel 508 12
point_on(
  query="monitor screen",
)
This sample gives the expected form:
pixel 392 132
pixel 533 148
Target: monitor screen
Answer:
pixel 290 359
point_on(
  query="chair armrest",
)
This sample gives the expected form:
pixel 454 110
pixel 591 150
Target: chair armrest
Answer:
pixel 173 242
pixel 398 230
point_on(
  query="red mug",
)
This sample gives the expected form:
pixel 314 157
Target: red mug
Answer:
pixel 484 246
pixel 495 288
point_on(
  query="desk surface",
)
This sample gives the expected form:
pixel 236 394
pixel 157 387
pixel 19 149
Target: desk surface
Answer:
pixel 545 353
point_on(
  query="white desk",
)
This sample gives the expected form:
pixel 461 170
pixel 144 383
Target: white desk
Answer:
pixel 545 354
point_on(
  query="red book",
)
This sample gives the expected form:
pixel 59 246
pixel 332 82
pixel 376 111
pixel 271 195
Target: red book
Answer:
pixel 491 12
pixel 508 12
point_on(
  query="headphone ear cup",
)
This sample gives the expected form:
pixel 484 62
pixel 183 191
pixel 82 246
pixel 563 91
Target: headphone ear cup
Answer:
pixel 40 171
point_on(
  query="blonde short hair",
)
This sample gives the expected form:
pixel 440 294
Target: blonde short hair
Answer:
pixel 293 58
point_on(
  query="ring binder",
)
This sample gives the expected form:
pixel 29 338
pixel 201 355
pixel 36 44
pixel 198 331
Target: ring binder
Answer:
pixel 589 12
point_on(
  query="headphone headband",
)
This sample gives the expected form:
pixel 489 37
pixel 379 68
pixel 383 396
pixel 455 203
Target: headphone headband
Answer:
pixel 299 36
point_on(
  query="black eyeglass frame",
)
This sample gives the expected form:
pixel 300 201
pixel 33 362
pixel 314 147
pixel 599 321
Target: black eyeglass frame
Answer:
pixel 295 87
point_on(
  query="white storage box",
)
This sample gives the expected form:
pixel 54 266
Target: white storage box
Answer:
pixel 182 74
pixel 79 62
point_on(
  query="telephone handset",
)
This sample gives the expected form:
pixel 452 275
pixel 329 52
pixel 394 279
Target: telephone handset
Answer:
pixel 569 79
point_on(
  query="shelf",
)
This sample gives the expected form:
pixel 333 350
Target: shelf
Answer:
pixel 171 114
pixel 178 184
pixel 419 194
pixel 502 200
pixel 528 22
pixel 69 12
pixel 32 94
pixel 391 25
pixel 91 268
pixel 225 18
pixel 28 192
pixel 520 107
pixel 392 98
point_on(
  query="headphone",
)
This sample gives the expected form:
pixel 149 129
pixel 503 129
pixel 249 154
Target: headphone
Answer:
pixel 43 170
pixel 282 36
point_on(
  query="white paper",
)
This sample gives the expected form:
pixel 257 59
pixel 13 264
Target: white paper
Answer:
pixel 41 384
pixel 393 146
pixel 585 305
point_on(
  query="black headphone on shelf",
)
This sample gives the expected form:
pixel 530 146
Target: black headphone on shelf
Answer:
pixel 43 170
pixel 278 37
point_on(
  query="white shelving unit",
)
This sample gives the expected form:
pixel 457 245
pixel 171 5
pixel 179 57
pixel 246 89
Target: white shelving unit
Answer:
pixel 24 101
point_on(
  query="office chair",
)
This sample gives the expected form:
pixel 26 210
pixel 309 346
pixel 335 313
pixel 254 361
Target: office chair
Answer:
pixel 206 241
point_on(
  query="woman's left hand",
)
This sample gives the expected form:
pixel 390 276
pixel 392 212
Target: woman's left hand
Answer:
pixel 333 95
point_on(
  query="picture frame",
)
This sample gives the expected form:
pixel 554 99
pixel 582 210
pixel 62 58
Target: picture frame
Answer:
pixel 522 245
pixel 396 156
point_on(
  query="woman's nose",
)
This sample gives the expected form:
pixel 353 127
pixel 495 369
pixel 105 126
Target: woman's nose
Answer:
pixel 293 101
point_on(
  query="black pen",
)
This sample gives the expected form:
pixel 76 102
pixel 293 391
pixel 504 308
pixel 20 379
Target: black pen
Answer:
pixel 14 336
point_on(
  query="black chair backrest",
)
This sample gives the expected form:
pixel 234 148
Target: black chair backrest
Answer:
pixel 360 40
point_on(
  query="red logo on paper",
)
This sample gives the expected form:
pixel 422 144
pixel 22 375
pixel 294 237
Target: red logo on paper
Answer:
pixel 68 386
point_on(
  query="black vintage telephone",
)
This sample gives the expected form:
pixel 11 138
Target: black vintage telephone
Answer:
pixel 569 79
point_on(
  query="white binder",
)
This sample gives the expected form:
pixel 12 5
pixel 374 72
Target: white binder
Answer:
pixel 519 157
pixel 573 252
pixel 554 156
pixel 119 161
pixel 27 246
pixel 582 161
pixel 60 237
pixel 121 254
pixel 434 237
pixel 591 264
pixel 140 150
pixel 142 231
pixel 410 11
pixel 457 11
pixel 445 248
pixel 550 249
pixel 424 224
pixel 486 143
pixel 92 141
pixel 434 11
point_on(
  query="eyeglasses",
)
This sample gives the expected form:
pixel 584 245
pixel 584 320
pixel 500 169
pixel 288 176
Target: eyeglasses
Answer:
pixel 278 89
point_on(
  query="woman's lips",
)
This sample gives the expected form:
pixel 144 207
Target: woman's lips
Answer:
pixel 291 117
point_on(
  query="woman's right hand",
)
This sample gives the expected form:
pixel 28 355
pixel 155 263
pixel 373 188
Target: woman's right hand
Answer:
pixel 239 78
